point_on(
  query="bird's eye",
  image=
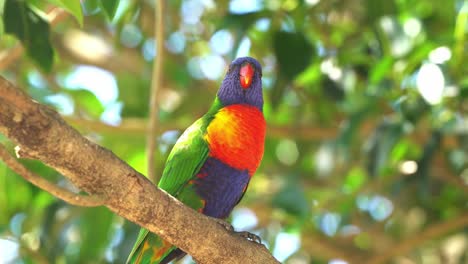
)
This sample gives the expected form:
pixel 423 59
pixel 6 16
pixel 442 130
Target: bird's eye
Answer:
pixel 246 74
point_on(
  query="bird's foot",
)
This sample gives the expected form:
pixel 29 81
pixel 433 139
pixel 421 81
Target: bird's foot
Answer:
pixel 224 224
pixel 247 235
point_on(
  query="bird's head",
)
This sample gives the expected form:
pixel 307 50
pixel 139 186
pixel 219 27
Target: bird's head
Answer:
pixel 242 83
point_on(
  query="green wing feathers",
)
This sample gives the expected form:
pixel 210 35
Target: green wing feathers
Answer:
pixel 185 159
pixel 183 163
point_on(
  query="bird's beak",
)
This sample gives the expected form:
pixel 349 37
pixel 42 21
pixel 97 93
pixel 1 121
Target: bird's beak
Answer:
pixel 246 75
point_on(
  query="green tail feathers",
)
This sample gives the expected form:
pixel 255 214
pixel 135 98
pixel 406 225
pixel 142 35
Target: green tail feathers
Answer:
pixel 149 249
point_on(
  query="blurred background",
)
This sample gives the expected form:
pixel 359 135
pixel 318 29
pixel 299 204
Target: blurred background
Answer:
pixel 366 101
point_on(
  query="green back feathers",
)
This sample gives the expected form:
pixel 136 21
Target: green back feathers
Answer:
pixel 188 154
pixel 185 160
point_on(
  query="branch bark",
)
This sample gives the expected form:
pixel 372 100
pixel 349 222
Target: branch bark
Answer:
pixel 64 194
pixel 44 135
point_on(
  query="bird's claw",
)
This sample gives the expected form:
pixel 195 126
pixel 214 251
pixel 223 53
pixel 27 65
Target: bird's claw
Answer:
pixel 224 224
pixel 249 236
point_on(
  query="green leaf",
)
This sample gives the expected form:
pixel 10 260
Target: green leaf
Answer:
pixel 460 32
pixel 1 27
pixel 363 240
pixel 87 101
pixel 292 199
pixel 2 5
pixel 354 180
pixel 241 22
pixel 400 151
pixel 134 93
pixel 293 52
pixel 378 9
pixel 95 228
pixel 138 161
pixel 73 7
pixel 32 30
pixel 91 7
pixel 110 8
pixel 381 69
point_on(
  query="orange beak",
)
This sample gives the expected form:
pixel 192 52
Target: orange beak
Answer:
pixel 246 75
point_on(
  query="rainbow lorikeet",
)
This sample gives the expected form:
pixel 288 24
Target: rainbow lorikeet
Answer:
pixel 211 164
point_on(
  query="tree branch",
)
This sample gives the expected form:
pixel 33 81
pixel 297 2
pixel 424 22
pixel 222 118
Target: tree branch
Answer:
pixel 314 243
pixel 64 194
pixel 7 57
pixel 139 126
pixel 42 134
pixel 155 88
pixel 300 132
pixel 442 171
pixel 70 46
pixel 429 233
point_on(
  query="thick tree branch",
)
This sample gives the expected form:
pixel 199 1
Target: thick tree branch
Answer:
pixel 64 194
pixel 42 134
pixel 156 83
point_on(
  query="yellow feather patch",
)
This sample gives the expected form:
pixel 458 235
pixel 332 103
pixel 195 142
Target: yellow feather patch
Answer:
pixel 236 136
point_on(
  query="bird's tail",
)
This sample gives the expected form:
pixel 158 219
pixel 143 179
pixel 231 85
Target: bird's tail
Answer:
pixel 153 250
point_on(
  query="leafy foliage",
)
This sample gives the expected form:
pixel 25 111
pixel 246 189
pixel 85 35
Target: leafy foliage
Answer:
pixel 25 23
pixel 366 157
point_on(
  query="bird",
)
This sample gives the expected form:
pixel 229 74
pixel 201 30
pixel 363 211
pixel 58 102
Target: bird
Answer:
pixel 211 164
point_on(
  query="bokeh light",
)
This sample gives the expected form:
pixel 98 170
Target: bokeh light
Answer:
pixel 285 245
pixel 430 82
pixel 287 152
pixel 131 35
pixel 221 42
pixel 212 66
pixel 440 55
pixel 96 80
pixel 9 250
pixel 244 6
pixel 191 11
pixel 243 219
pixel 176 42
pixel 329 223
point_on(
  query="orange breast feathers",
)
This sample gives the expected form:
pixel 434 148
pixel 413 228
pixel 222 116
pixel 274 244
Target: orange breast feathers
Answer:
pixel 236 136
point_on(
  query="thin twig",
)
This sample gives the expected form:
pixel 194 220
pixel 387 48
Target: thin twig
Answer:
pixel 7 57
pixel 429 233
pixel 155 88
pixel 442 171
pixel 56 15
pixel 64 194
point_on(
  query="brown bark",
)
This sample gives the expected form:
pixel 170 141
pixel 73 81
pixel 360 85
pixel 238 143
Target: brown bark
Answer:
pixel 42 134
